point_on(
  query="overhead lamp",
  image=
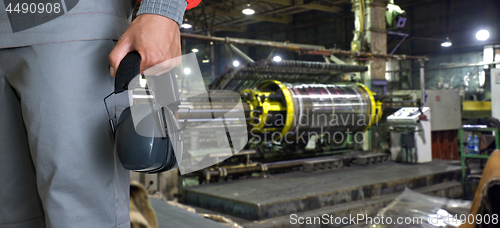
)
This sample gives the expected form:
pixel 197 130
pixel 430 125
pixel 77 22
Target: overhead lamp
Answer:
pixel 248 10
pixel 236 63
pixel 277 58
pixel 205 60
pixel 194 50
pixel 187 71
pixel 186 25
pixel 447 43
pixel 482 35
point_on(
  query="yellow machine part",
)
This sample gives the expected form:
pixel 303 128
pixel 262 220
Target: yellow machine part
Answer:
pixel 376 107
pixel 288 106
pixel 267 106
pixel 476 105
pixel 476 109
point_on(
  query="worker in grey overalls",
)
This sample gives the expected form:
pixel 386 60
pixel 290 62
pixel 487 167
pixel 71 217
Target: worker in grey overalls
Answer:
pixel 57 164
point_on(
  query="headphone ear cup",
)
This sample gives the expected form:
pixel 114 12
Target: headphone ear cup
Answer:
pixel 123 116
pixel 142 153
pixel 170 160
pixel 134 150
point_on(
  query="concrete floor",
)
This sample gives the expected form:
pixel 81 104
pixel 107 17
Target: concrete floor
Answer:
pixel 280 195
pixel 173 217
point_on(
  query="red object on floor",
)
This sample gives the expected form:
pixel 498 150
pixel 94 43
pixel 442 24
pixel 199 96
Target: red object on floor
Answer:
pixel 445 145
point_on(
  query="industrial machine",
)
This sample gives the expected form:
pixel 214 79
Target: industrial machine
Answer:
pixel 298 106
pixel 495 92
pixel 330 113
pixel 296 111
pixel 411 135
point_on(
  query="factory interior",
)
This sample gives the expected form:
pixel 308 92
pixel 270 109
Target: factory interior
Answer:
pixel 355 112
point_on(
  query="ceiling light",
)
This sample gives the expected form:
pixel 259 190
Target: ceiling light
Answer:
pixel 236 63
pixel 248 10
pixel 187 71
pixel 194 50
pixel 205 60
pixel 186 25
pixel 447 43
pixel 483 35
pixel 277 58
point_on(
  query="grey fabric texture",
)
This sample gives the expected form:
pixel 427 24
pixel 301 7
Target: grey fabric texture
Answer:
pixel 173 9
pixel 88 20
pixel 57 164
pixel 79 23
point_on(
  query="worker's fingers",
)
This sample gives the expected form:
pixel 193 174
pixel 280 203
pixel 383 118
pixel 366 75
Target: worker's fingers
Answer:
pixel 157 61
pixel 172 59
pixel 122 48
pixel 163 67
pixel 150 56
pixel 177 58
pixel 174 55
pixel 150 50
pixel 156 38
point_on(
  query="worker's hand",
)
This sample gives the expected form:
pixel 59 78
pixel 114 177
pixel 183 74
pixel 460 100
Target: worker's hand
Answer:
pixel 156 38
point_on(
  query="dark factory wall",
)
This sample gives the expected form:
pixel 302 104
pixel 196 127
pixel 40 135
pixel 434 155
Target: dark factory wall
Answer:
pixel 457 19
pixel 429 23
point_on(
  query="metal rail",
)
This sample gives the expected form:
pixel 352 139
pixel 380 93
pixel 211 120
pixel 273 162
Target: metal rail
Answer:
pixel 303 49
pixel 362 159
pixel 447 66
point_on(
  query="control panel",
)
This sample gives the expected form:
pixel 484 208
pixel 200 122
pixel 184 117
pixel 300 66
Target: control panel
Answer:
pixel 407 115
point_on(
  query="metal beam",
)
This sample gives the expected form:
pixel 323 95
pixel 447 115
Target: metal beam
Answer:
pixel 215 28
pixel 282 2
pixel 302 49
pixel 282 20
pixel 242 19
pixel 298 10
pixel 300 3
pixel 279 10
pixel 331 9
pixel 247 23
pixel 294 5
pixel 237 14
pixel 231 29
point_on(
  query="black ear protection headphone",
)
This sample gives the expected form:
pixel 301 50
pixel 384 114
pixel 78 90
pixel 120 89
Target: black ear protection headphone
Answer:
pixel 138 152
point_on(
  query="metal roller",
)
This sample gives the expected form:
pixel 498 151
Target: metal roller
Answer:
pixel 286 108
pixel 204 108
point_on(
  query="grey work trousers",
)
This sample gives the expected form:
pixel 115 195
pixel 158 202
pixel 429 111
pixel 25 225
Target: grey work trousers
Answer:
pixel 57 164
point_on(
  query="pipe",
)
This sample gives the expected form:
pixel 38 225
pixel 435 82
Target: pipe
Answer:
pixel 303 49
pixel 422 82
pixel 241 54
pixel 212 61
pixel 257 168
pixel 398 34
pixel 448 66
pixel 399 44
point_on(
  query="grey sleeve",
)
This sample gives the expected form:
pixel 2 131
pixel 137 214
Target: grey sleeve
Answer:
pixel 173 9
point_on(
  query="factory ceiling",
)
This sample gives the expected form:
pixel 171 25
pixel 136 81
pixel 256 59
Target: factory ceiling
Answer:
pixel 330 23
pixel 223 15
